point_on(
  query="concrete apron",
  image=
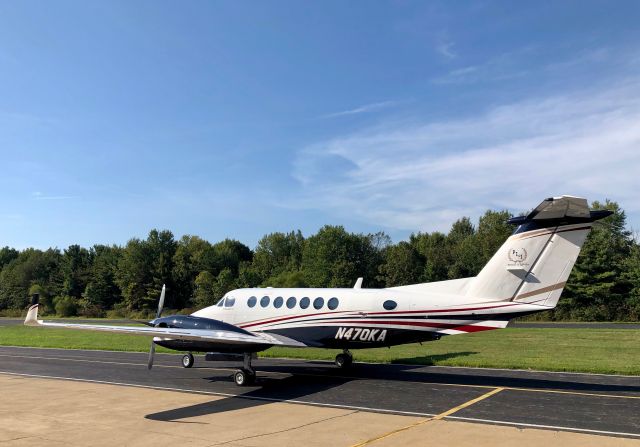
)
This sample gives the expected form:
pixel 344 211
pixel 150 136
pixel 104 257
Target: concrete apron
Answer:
pixel 57 412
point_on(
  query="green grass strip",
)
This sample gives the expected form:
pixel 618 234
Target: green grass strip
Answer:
pixel 609 351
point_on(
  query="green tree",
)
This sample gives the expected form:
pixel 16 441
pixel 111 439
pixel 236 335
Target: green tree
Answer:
pixel 287 279
pixel 76 270
pixel 224 283
pixel 402 265
pixel 462 249
pixel 205 289
pixel 161 248
pixel 193 255
pixel 7 255
pixel 133 275
pixel 144 267
pixel 335 258
pixel 102 290
pixel 277 253
pixel 493 231
pixel 434 253
pixel 631 276
pixel 32 266
pixel 594 290
pixel 66 306
pixel 229 254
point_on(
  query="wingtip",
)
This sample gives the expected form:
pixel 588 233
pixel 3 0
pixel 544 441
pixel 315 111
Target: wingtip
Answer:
pixel 32 316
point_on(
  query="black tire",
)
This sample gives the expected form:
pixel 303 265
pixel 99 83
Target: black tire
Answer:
pixel 244 377
pixel 187 360
pixel 344 361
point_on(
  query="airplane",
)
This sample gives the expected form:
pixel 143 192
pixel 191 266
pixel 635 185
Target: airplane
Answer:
pixel 526 275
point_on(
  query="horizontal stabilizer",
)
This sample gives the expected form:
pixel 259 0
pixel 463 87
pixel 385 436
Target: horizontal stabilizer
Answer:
pixel 561 210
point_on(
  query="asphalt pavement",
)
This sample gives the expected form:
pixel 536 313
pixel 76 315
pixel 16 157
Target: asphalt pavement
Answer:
pixel 589 403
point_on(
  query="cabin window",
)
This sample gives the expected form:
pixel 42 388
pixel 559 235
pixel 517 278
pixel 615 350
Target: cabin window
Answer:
pixel 229 302
pixel 318 303
pixel 304 302
pixel 291 302
pixel 252 301
pixel 333 303
pixel 264 301
pixel 277 303
pixel 389 304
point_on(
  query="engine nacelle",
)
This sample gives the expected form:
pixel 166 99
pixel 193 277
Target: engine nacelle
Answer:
pixel 191 322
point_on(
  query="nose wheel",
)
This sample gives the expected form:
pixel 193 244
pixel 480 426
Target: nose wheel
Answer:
pixel 344 360
pixel 187 360
pixel 246 375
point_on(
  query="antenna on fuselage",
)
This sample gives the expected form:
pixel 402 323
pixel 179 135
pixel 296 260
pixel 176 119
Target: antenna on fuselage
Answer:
pixel 358 284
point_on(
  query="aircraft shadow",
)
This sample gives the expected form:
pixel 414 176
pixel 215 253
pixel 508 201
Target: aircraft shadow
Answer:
pixel 268 390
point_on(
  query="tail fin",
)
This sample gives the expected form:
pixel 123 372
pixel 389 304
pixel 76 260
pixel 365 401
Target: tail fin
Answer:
pixel 533 265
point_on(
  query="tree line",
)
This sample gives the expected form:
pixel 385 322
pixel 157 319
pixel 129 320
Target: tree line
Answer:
pixel 119 281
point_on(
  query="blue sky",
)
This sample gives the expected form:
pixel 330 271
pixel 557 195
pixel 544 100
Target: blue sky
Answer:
pixel 235 119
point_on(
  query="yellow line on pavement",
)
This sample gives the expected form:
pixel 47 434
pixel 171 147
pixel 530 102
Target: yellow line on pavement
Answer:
pixel 434 418
pixel 466 404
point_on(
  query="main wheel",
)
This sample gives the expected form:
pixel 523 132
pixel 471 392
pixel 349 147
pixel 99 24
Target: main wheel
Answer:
pixel 243 377
pixel 344 361
pixel 187 360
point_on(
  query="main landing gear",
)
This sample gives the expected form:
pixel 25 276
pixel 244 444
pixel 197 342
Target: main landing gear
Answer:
pixel 344 360
pixel 246 375
pixel 187 360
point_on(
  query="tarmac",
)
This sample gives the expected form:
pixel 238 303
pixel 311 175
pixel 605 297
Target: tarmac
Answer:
pixel 74 397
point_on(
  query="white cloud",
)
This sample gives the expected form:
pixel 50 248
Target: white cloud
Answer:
pixel 424 176
pixel 373 107
pixel 37 195
pixel 445 48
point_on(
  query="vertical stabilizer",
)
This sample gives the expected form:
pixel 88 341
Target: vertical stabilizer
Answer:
pixel 533 265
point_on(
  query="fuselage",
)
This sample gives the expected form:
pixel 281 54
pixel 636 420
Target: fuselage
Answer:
pixel 358 318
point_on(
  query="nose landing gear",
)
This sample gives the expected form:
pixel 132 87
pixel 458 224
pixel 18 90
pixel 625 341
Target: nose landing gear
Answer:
pixel 344 360
pixel 246 375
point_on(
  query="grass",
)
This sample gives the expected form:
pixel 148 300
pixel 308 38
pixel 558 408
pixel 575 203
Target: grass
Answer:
pixel 611 351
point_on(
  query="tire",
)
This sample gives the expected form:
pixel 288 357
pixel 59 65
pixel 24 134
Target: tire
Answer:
pixel 343 361
pixel 187 360
pixel 243 377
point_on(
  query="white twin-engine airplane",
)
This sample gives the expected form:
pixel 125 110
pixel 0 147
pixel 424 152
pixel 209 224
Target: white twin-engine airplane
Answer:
pixel 526 275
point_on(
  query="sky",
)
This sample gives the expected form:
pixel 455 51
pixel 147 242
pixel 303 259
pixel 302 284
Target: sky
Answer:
pixel 240 118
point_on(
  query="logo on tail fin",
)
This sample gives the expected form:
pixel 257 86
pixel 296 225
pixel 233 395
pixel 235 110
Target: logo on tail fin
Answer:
pixel 517 256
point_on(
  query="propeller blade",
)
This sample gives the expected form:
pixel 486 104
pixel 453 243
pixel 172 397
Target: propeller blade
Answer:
pixel 161 302
pixel 152 352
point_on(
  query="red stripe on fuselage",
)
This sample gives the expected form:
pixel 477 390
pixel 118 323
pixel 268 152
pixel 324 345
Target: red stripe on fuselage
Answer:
pixel 259 322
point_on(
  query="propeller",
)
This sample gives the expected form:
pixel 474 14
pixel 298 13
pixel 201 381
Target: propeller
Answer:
pixel 152 350
pixel 161 302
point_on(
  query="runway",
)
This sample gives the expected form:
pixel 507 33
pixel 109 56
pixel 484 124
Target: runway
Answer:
pixel 595 404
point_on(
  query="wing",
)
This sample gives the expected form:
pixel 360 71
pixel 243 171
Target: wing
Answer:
pixel 223 337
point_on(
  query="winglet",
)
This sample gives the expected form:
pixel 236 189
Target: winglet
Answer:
pixel 32 314
pixel 358 284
